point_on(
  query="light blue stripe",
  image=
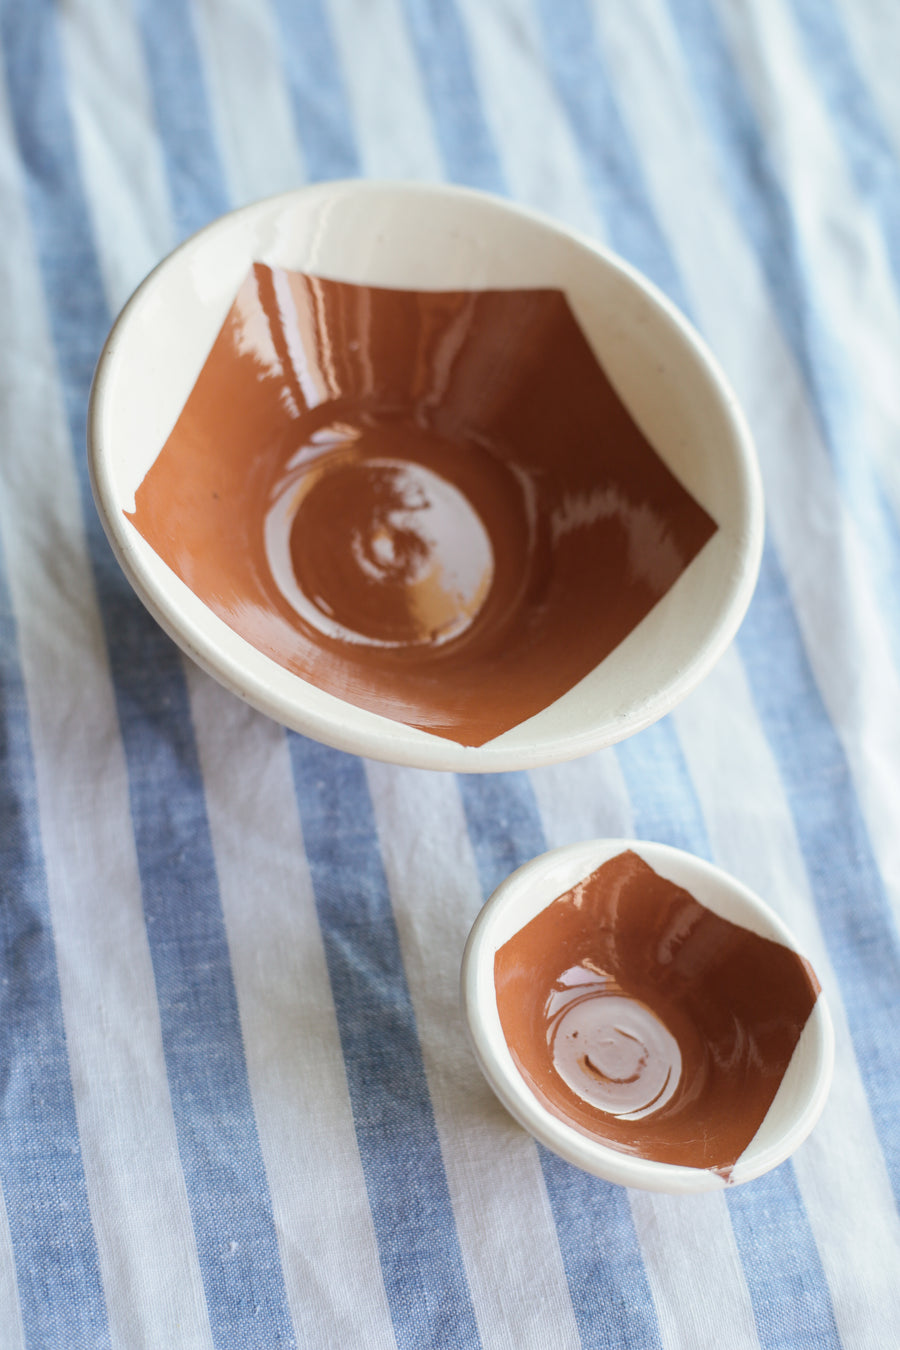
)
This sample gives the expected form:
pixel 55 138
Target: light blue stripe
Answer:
pixel 863 942
pixel 791 1300
pixel 57 1270
pixel 663 801
pixel 224 1175
pixel 602 1258
pixel 763 208
pixel 856 120
pixel 316 87
pixel 462 133
pixel 401 1157
pixel 177 83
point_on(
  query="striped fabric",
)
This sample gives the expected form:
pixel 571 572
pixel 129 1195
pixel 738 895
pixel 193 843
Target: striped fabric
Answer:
pixel 237 1107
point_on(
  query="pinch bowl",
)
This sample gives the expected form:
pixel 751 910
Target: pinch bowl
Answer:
pixel 439 241
pixel 801 1093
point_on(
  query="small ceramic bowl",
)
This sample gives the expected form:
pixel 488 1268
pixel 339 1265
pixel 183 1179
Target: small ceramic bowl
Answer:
pixel 711 984
pixel 586 637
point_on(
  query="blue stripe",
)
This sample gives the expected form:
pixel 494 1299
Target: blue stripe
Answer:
pixel 863 941
pixel 790 1296
pixel 462 132
pixel 791 1301
pixel 316 88
pixel 177 83
pixel 663 801
pixel 415 1229
pixel 604 1267
pixel 762 206
pixel 224 1175
pixel 57 1270
pixel 856 121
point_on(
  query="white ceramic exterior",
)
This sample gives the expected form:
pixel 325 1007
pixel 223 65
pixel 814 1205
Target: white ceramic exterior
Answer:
pixel 804 1088
pixel 434 237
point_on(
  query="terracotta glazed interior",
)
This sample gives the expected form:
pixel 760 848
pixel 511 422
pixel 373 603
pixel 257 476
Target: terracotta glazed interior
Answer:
pixel 430 504
pixel 647 1021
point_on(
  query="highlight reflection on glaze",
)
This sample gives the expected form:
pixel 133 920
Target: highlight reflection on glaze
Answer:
pixel 432 504
pixel 645 1020
pixel 379 551
pixel 610 1049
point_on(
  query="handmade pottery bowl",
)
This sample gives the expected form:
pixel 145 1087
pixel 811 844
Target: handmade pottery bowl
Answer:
pixel 647 1017
pixel 424 476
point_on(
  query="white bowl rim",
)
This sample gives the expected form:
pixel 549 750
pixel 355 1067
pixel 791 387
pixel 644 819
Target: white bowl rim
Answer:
pixel 528 890
pixel 295 703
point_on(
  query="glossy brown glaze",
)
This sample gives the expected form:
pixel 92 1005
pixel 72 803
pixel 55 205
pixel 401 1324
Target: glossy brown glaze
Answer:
pixel 647 1021
pixel 431 504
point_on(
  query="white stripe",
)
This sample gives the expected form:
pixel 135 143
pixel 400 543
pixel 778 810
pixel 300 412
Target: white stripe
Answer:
pixel 293 1050
pixel 872 30
pixel 10 1310
pixel 136 1191
pixel 842 242
pixel 249 101
pixel 688 1244
pixel 832 593
pixel 390 116
pixel 678 1238
pixel 524 115
pixel 122 166
pixel 840 1170
pixel 506 1229
pixel 583 800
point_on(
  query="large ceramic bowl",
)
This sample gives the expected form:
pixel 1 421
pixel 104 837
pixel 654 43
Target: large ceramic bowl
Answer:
pixel 426 477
